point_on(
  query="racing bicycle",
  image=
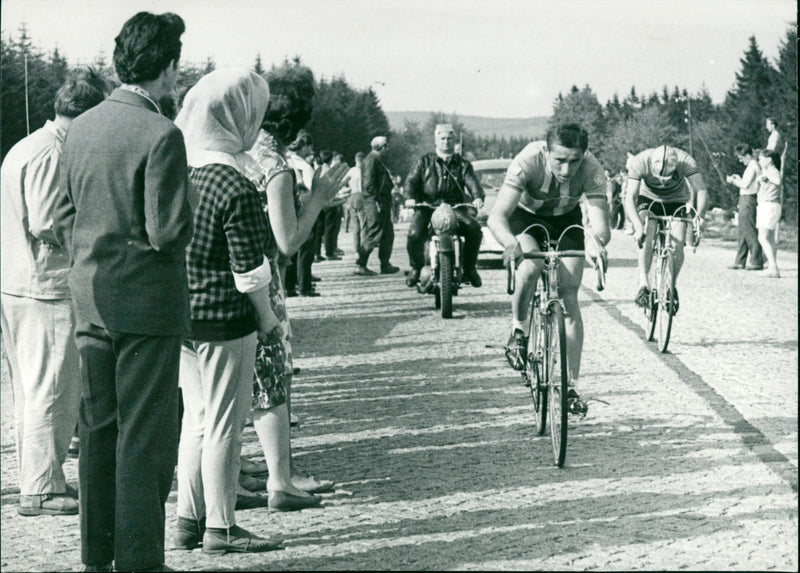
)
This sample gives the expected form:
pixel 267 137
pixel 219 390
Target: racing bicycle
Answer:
pixel 660 309
pixel 546 371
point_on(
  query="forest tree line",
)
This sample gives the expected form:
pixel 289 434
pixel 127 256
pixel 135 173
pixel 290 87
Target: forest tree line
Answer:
pixel 345 118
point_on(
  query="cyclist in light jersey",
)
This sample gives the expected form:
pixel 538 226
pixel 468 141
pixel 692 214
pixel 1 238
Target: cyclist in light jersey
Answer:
pixel 545 184
pixel 664 178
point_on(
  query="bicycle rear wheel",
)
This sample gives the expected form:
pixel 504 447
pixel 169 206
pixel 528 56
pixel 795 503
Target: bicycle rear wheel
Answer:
pixel 534 366
pixel 666 294
pixel 557 381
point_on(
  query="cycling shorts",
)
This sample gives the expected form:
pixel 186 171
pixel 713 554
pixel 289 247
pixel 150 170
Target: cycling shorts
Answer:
pixel 521 219
pixel 660 208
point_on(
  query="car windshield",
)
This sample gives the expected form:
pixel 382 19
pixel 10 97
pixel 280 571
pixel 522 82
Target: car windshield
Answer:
pixel 491 179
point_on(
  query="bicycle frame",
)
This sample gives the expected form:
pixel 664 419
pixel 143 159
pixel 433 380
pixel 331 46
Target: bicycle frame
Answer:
pixel 547 358
pixel 659 310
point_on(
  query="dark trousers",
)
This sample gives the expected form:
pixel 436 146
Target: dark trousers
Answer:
pixel 298 268
pixel 129 444
pixel 318 232
pixel 748 235
pixel 468 227
pixel 330 236
pixel 377 230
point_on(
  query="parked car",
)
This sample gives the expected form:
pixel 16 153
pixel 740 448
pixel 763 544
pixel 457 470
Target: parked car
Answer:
pixel 491 173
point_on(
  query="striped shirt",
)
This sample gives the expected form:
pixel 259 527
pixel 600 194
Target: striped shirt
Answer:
pixel 530 175
pixel 230 230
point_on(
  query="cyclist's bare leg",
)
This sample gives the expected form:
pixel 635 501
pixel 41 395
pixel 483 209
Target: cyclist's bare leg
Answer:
pixel 644 253
pixel 527 276
pixel 569 278
pixel 678 241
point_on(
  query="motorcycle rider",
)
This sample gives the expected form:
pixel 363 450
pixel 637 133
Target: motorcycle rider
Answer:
pixel 443 177
pixel 545 184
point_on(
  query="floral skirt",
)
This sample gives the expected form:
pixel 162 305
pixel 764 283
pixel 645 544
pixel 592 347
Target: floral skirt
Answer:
pixel 273 368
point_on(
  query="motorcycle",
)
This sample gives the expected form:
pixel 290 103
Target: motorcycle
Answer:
pixel 443 274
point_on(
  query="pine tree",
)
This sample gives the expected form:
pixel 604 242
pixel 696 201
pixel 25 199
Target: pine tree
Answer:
pixel 747 103
pixel 259 67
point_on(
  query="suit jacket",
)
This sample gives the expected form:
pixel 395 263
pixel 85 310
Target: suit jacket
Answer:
pixel 376 182
pixel 124 217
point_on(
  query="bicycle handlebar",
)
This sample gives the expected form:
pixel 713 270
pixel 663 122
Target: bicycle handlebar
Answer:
pixel 600 266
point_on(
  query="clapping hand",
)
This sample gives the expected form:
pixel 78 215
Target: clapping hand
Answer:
pixel 477 203
pixel 326 186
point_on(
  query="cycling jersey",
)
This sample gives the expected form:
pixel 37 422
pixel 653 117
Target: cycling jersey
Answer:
pixel 674 189
pixel 530 175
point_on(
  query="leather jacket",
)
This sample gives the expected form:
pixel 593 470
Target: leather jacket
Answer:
pixel 433 181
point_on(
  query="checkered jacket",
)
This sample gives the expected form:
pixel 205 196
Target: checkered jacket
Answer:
pixel 230 229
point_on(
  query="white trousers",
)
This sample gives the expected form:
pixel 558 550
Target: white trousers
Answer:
pixel 46 382
pixel 216 379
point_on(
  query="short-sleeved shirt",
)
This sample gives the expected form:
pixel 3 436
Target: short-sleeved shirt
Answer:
pixel 530 175
pixel 673 190
pixel 230 233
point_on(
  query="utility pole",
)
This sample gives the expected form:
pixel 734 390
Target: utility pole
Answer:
pixel 689 121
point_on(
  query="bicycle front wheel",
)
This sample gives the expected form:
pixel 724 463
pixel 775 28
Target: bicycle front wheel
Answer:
pixel 651 309
pixel 557 381
pixel 535 370
pixel 666 294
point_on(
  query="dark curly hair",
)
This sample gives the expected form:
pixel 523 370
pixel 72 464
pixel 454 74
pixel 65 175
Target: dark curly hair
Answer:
pixel 147 45
pixel 82 90
pixel 291 91
pixel 569 135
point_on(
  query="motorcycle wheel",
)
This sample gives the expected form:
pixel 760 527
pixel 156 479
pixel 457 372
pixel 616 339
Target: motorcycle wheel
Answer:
pixel 446 284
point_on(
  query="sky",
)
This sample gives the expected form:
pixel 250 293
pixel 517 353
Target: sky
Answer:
pixel 494 58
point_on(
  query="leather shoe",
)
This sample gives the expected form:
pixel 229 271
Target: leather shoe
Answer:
pixel 389 269
pixel 755 267
pixel 310 484
pixel 285 501
pixel 105 567
pixel 251 501
pixel 252 483
pixel 218 541
pixel 315 279
pixel 364 271
pixel 47 504
pixel 333 257
pixel 290 293
pixel 251 467
pixel 189 533
pixel 308 293
pixel 736 267
pixel 473 277
pixel 412 278
pixel 318 258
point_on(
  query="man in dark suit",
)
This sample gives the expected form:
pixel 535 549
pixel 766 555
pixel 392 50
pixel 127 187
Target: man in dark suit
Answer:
pixel 125 219
pixel 376 211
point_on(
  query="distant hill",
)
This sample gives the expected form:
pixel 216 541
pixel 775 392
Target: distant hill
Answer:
pixel 528 127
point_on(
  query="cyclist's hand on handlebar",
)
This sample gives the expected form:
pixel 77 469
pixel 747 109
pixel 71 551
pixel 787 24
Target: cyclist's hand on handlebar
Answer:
pixel 477 203
pixel 512 255
pixel 638 236
pixel 596 253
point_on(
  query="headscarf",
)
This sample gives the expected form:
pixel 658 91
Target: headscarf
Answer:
pixel 221 116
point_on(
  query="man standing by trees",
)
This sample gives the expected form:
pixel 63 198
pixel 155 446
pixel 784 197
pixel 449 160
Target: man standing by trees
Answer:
pixel 125 218
pixel 37 315
pixel 377 227
pixel 443 177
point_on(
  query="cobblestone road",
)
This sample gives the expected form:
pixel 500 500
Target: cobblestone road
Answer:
pixel 691 465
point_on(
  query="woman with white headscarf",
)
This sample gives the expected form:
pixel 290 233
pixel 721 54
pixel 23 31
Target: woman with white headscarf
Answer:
pixel 229 277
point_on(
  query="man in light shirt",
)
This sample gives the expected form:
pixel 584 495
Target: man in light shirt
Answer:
pixel 746 229
pixel 37 316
